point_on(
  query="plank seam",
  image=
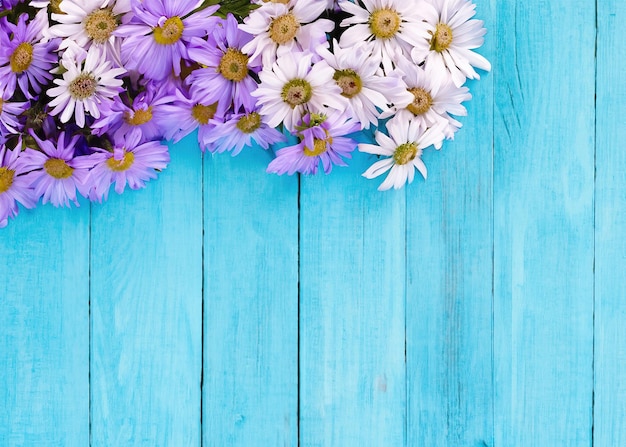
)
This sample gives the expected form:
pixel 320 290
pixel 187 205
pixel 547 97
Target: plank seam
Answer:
pixel 593 303
pixel 298 316
pixel 89 319
pixel 202 289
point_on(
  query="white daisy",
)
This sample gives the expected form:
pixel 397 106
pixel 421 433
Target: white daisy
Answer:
pixel 430 105
pixel 90 22
pixel 280 28
pixel 447 51
pixel 403 150
pixel 368 93
pixel 388 26
pixel 88 82
pixel 292 86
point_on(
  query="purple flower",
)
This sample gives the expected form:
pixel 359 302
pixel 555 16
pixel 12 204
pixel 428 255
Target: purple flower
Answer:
pixel 14 187
pixel 24 60
pixel 243 129
pixel 158 34
pixel 9 112
pixel 226 78
pixel 131 162
pixel 321 140
pixel 146 118
pixel 55 174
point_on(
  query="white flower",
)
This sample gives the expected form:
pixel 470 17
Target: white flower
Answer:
pixel 390 27
pixel 88 81
pixel 280 28
pixel 403 149
pixel 448 49
pixel 430 105
pixel 292 86
pixel 90 22
pixel 368 93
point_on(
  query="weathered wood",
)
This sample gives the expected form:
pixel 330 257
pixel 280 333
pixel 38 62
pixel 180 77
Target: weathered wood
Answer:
pixel 610 221
pixel 250 389
pixel 44 328
pixel 543 222
pixel 146 309
pixel 449 272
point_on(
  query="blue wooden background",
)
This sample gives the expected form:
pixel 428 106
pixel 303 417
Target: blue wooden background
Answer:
pixel 222 306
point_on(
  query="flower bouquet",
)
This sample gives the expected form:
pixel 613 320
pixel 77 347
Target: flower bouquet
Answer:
pixel 90 90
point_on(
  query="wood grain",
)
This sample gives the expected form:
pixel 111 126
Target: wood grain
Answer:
pixel 146 310
pixel 543 222
pixel 44 328
pixel 250 391
pixel 610 220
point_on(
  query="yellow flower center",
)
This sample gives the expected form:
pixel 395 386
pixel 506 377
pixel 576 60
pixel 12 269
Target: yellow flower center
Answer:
pixel 384 23
pixel 138 117
pixel 6 179
pixel 233 65
pixel 296 92
pixel 100 24
pixel 123 164
pixel 284 28
pixel 422 101
pixel 83 86
pixel 55 8
pixel 405 153
pixel 1 104
pixel 202 113
pixel 319 146
pixel 349 81
pixel 170 32
pixel 58 168
pixel 442 38
pixel 249 123
pixel 21 57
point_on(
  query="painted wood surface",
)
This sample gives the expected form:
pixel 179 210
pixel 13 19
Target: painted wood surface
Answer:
pixel 225 307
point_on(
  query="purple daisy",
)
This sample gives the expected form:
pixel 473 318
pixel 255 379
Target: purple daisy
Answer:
pixel 158 34
pixel 9 113
pixel 131 162
pixel 146 118
pixel 24 59
pixel 322 139
pixel 226 78
pixel 54 172
pixel 241 130
pixel 14 187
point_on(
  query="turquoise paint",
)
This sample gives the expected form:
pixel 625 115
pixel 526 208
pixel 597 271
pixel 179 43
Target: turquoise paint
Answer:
pixel 461 311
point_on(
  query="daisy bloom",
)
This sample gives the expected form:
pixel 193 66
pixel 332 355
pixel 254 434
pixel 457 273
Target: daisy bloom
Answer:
pixel 85 86
pixel 9 113
pixel 159 32
pixel 388 27
pixel 24 59
pixel 243 130
pixel 14 187
pixel 447 51
pixel 53 172
pixel 131 163
pixel 430 105
pixel 280 28
pixel 90 22
pixel 292 86
pixel 403 150
pixel 226 78
pixel 146 116
pixel 367 92
pixel 322 140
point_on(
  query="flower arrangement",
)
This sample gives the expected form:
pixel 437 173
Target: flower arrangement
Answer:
pixel 91 89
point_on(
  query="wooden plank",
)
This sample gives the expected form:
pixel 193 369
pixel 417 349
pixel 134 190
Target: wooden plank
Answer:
pixel 146 306
pixel 250 303
pixel 449 270
pixel 352 294
pixel 44 328
pixel 610 302
pixel 543 222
